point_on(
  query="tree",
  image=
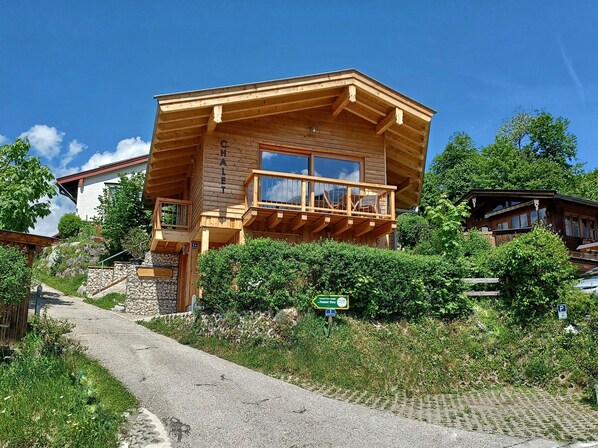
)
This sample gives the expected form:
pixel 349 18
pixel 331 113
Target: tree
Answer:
pixel 122 208
pixel 447 219
pixel 411 229
pixel 530 151
pixel 455 170
pixel 587 185
pixel 26 185
pixel 69 226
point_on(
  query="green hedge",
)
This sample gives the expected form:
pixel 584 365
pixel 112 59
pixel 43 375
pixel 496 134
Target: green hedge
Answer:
pixel 270 275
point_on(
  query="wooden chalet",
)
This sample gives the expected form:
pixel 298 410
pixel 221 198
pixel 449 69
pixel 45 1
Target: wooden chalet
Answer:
pixel 332 155
pixel 508 213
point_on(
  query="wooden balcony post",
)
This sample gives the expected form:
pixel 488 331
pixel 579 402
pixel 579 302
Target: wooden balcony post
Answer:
pixel 312 196
pixel 303 194
pixel 348 196
pixel 392 205
pixel 256 181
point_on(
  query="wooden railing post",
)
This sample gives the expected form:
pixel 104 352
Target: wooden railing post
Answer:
pixel 392 205
pixel 256 181
pixel 312 196
pixel 303 194
pixel 348 196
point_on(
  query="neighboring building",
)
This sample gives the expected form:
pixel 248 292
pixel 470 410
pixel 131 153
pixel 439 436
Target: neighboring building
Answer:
pixel 332 155
pixel 86 187
pixel 508 213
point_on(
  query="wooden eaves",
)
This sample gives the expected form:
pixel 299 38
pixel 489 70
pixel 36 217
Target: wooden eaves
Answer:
pixel 182 119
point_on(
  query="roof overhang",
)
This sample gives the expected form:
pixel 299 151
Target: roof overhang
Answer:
pixel 182 119
pixel 68 184
pixel 525 194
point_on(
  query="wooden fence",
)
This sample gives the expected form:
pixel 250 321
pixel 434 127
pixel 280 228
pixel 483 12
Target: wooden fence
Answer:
pixel 13 322
pixel 481 281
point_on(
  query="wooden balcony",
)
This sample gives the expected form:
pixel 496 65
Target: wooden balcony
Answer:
pixel 171 223
pixel 291 201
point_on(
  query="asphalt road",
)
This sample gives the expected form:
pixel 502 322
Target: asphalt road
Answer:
pixel 205 401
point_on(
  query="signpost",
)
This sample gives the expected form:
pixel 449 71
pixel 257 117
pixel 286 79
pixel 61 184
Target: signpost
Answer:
pixel 330 303
pixel 562 310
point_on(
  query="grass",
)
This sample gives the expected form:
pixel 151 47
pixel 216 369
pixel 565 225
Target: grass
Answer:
pixel 67 285
pixel 53 395
pixel 426 357
pixel 107 302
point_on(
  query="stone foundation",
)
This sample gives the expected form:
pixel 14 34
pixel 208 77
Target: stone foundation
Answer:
pixel 148 296
pixel 98 277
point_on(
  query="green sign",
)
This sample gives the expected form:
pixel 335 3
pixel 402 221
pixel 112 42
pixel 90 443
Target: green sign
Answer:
pixel 331 302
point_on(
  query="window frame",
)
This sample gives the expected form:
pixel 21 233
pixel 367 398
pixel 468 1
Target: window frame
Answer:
pixel 311 155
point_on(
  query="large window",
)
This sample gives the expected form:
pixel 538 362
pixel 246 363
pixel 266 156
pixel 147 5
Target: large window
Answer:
pixel 276 189
pixel 538 216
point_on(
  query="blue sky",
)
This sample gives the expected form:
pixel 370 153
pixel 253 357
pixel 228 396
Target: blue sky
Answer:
pixel 79 77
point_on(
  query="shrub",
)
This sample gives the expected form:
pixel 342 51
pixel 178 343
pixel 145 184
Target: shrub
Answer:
pixel 15 276
pixel 136 242
pixel 535 271
pixel 270 275
pixel 69 226
pixel 411 229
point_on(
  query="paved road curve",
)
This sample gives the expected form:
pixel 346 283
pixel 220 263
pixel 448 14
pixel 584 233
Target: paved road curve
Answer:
pixel 209 402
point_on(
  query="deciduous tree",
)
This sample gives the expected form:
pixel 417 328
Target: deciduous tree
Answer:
pixel 26 187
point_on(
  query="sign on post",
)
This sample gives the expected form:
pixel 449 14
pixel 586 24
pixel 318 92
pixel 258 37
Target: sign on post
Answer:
pixel 330 313
pixel 331 301
pixel 562 310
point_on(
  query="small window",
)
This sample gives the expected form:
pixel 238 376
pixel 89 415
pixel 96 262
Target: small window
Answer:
pixel 519 221
pixel 592 230
pixel 502 225
pixel 575 226
pixel 572 226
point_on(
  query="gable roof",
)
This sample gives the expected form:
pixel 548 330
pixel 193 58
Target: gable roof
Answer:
pixel 70 182
pixel 183 118
pixel 526 194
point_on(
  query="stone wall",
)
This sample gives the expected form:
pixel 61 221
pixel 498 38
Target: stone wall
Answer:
pixel 148 296
pixel 97 278
pixel 247 326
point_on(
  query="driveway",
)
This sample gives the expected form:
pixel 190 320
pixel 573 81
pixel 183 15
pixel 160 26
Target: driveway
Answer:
pixel 208 402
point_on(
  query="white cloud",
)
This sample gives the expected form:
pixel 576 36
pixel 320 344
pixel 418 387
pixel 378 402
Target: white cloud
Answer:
pixel 581 93
pixel 59 206
pixel 75 147
pixel 125 149
pixel 3 139
pixel 45 140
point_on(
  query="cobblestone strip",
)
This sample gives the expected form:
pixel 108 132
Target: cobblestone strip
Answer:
pixel 529 413
pixel 144 430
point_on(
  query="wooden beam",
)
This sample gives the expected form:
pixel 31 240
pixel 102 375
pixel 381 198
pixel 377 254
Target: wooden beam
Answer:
pixel 249 217
pixel 298 221
pixel 395 117
pixel 343 226
pixel 321 224
pixel 384 229
pixel 205 239
pixel 364 227
pixel 349 95
pixel 215 118
pixel 275 219
pixel 404 185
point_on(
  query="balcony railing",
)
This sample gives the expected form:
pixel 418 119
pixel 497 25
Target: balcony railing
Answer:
pixel 172 214
pixel 266 189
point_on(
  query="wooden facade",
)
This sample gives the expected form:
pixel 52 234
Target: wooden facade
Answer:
pixel 509 213
pixel 13 318
pixel 209 184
